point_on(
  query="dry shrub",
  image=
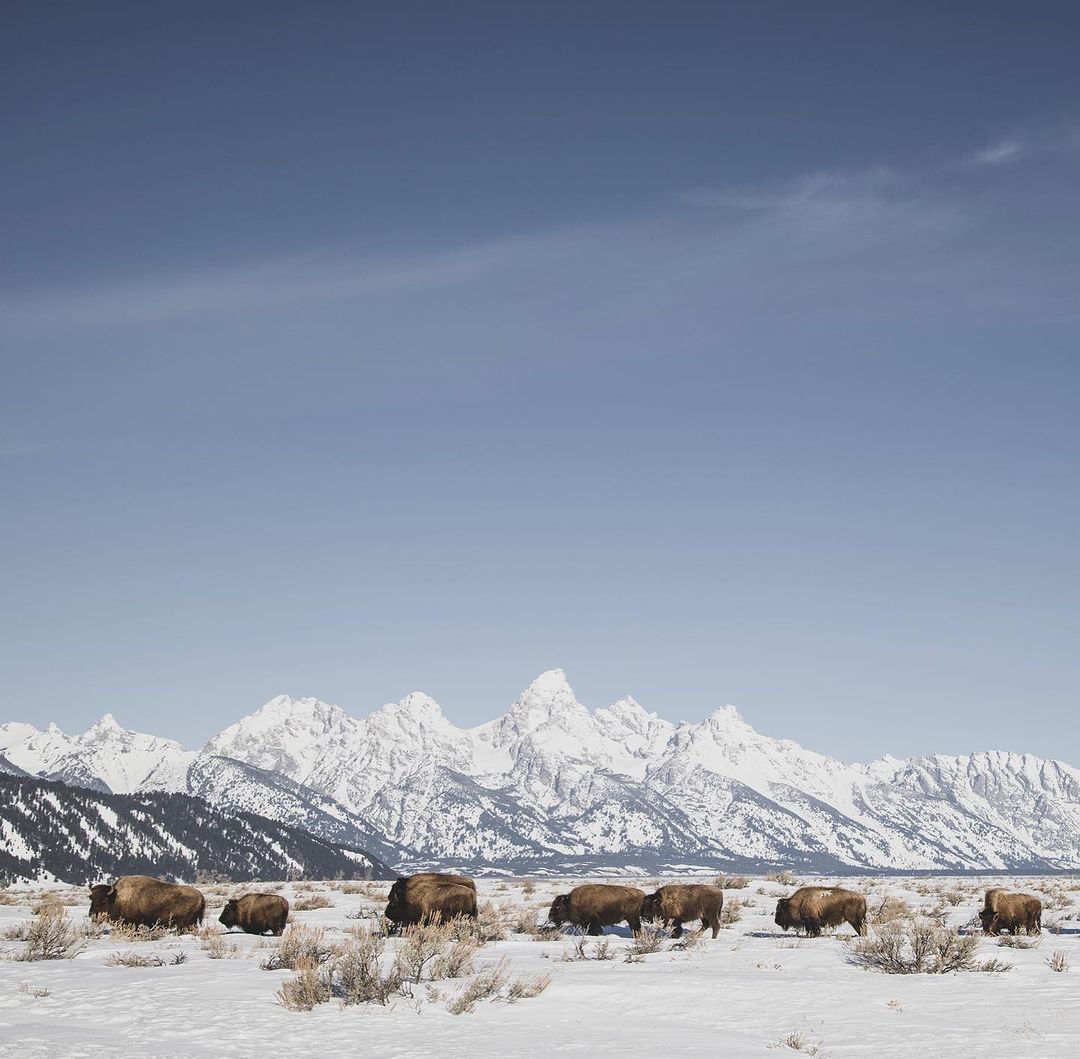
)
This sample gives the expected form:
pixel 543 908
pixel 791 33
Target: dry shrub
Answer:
pixel 578 951
pixel 456 962
pixel 731 882
pixel 420 945
pixel 784 878
pixel 528 888
pixel 7 898
pixel 50 937
pixel 892 909
pixel 311 986
pixel 731 912
pixel 1059 960
pixel 142 959
pixel 217 948
pixel 919 947
pixel 299 945
pixel 310 904
pixel 1018 941
pixel 489 925
pixel 487 983
pixel 648 939
pixel 356 975
pixel 24 987
pixel 135 931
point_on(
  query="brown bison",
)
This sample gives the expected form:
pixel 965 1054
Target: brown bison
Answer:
pixel 813 907
pixel 1012 912
pixel 256 914
pixel 144 902
pixel 675 904
pixel 430 895
pixel 598 905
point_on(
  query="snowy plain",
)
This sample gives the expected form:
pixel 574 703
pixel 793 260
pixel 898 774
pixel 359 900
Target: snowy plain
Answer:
pixel 753 991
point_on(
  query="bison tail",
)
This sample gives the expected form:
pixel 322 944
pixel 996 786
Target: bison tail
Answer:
pixel 201 912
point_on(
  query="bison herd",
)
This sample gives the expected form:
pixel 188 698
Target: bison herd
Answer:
pixel 434 896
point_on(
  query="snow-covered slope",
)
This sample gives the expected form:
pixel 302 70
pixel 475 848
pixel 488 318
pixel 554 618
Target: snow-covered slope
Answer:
pixel 550 780
pixel 49 830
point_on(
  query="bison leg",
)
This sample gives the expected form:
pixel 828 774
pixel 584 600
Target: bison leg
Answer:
pixel 858 924
pixel 634 923
pixel 714 923
pixel 676 928
pixel 594 928
pixel 813 928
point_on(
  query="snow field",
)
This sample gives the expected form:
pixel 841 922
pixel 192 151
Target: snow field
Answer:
pixel 744 994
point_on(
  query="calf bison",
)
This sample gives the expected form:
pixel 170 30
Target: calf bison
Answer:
pixel 675 904
pixel 1012 912
pixel 598 905
pixel 256 914
pixel 813 907
pixel 144 902
pixel 429 896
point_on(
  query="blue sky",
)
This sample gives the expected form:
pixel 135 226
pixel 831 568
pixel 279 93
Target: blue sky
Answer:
pixel 714 353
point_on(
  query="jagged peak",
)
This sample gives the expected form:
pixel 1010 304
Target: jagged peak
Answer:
pixel 105 724
pixel 549 693
pixel 419 702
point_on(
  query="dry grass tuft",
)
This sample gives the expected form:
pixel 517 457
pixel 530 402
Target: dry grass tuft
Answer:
pixel 310 904
pixel 731 913
pixel 24 987
pixel 1059 960
pixel 799 1042
pixel 527 988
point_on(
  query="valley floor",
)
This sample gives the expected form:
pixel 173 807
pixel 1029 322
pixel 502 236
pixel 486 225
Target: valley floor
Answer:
pixel 752 992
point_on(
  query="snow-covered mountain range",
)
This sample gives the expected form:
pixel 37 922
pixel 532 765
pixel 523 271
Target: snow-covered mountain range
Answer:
pixel 551 784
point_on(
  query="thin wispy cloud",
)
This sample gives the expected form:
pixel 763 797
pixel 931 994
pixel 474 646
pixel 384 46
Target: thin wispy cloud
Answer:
pixel 1001 153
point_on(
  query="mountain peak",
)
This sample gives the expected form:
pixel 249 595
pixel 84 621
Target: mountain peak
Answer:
pixel 104 725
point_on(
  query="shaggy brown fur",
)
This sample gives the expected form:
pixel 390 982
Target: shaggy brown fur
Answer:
pixel 598 905
pixel 446 877
pixel 675 904
pixel 422 898
pixel 812 908
pixel 256 914
pixel 1012 912
pixel 143 901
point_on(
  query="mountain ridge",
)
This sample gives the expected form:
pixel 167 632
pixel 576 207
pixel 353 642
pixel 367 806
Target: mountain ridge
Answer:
pixel 551 779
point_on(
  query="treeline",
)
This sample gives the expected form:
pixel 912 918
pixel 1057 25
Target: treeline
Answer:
pixel 82 836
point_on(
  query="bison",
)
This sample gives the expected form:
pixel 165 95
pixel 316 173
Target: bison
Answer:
pixel 813 907
pixel 428 896
pixel 256 914
pixel 1012 912
pixel 598 905
pixel 675 904
pixel 144 902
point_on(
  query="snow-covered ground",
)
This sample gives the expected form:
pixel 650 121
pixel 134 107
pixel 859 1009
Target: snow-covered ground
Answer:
pixel 744 994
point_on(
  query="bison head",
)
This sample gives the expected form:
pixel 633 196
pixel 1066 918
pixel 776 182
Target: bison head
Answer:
pixel 650 907
pixel 230 915
pixel 783 918
pixel 101 900
pixel 987 916
pixel 395 904
pixel 559 913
